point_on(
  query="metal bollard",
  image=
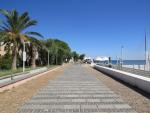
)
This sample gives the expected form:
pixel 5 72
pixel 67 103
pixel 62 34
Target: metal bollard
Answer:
pixel 12 76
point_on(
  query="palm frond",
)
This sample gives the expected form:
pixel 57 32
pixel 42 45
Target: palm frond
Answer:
pixel 7 15
pixel 24 37
pixel 34 34
pixel 4 29
pixel 14 20
pixel 22 21
pixel 24 15
pixel 30 23
pixel 4 12
pixel 4 37
pixel 6 25
pixel 35 42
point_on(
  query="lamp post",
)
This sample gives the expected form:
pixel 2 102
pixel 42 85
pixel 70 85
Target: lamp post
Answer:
pixel 48 58
pixel 117 60
pixel 24 54
pixel 122 55
pixel 56 55
pixel 44 47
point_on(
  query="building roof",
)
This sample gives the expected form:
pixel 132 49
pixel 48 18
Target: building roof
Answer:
pixel 101 58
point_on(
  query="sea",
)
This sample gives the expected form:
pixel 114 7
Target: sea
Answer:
pixel 131 62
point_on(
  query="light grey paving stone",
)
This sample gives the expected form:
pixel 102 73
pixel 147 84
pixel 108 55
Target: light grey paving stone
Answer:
pixel 93 100
pixel 88 107
pixel 71 106
pixel 78 100
pixel 75 91
pixel 120 106
pixel 106 106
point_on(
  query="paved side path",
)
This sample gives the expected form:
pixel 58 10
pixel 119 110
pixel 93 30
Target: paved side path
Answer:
pixel 75 92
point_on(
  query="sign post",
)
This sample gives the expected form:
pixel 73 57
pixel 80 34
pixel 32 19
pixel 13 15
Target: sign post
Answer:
pixel 24 59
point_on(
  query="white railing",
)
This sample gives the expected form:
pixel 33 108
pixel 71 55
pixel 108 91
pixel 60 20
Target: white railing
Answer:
pixel 140 67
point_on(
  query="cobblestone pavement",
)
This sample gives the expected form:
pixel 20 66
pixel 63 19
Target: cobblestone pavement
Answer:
pixel 76 91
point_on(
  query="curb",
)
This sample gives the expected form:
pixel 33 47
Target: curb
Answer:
pixel 16 83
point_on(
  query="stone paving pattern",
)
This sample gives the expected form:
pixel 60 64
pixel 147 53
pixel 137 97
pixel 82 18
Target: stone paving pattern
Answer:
pixel 76 91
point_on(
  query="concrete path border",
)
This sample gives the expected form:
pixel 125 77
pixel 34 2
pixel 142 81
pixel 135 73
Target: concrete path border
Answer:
pixel 24 80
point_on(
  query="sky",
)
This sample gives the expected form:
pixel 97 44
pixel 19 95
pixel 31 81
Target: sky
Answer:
pixel 93 27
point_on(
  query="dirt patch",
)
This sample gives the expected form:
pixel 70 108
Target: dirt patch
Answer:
pixel 11 100
pixel 136 100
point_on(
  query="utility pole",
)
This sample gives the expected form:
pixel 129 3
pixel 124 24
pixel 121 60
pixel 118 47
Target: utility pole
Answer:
pixel 48 58
pixel 122 55
pixel 147 62
pixel 145 49
pixel 117 60
pixel 56 55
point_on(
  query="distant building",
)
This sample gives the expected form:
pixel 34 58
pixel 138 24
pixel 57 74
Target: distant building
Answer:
pixel 2 49
pixel 101 59
pixel 87 60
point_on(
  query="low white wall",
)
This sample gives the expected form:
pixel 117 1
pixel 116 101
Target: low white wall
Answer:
pixel 133 79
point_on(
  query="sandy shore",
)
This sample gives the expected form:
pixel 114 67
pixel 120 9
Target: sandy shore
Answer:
pixel 138 102
pixel 11 100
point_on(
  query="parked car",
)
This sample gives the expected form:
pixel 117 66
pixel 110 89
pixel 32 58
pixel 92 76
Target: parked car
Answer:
pixel 87 61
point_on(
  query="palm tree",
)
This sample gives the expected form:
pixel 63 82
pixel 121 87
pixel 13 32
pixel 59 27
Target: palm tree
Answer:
pixel 14 28
pixel 34 46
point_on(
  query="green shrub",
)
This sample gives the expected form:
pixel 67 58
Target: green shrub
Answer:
pixel 5 62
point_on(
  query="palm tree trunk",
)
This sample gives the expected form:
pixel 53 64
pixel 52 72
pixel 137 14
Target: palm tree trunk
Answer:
pixel 33 57
pixel 14 57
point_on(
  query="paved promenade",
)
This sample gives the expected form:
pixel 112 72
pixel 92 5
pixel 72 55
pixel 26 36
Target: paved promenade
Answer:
pixel 76 91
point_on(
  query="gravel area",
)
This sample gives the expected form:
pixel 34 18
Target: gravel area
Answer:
pixel 11 100
pixel 137 99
